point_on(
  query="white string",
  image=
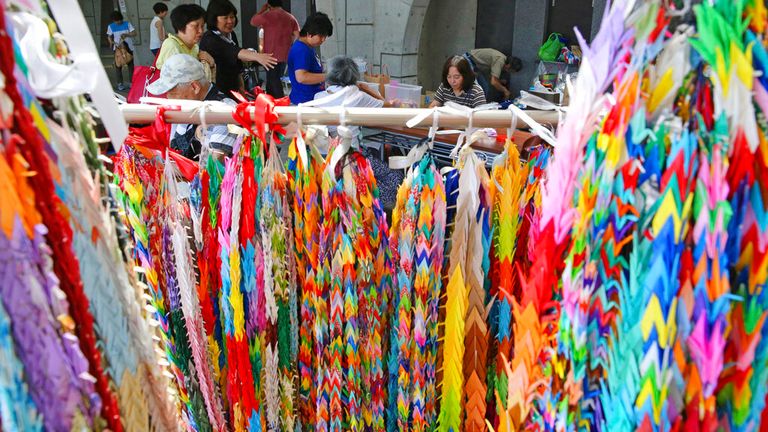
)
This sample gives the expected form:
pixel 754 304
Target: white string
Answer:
pixel 205 150
pixel 418 152
pixel 346 140
pixel 203 107
pixel 512 126
pixel 464 136
pixel 301 146
pixel 535 126
pixel 433 129
pixel 343 117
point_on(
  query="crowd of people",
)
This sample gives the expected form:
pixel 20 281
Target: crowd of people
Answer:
pixel 203 60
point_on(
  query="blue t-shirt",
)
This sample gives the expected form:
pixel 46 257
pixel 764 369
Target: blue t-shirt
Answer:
pixel 303 57
pixel 116 30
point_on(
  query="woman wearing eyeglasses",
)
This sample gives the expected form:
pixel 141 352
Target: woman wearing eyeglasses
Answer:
pixel 458 85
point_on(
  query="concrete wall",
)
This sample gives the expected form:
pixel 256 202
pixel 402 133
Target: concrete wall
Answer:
pixel 140 14
pixel 381 31
pixel 411 37
pixel 448 30
pixel 530 24
pixel 495 24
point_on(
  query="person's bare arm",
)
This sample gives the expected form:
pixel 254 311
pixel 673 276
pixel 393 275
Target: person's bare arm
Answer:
pixel 206 58
pixel 264 59
pixel 374 94
pixel 160 30
pixel 309 78
pixel 500 87
pixel 435 104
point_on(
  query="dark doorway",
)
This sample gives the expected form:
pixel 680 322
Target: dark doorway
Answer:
pixel 495 25
pixel 247 9
pixel 564 15
pixel 107 6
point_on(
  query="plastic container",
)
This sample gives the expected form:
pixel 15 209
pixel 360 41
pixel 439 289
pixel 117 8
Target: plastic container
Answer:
pixel 403 95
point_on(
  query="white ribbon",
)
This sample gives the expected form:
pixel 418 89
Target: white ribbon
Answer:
pixel 464 137
pixel 535 126
pixel 300 144
pixel 512 126
pixel 48 78
pixel 205 149
pixel 345 143
pixel 418 152
pixel 531 100
pixel 333 98
pixel 72 24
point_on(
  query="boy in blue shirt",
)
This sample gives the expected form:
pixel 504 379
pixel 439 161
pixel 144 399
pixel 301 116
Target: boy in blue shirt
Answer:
pixel 304 68
pixel 120 33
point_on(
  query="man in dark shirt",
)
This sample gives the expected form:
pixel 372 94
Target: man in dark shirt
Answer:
pixel 183 77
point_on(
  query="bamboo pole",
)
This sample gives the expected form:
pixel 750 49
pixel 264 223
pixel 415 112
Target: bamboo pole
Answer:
pixel 190 113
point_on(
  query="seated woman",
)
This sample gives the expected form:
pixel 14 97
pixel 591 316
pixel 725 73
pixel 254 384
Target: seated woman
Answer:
pixel 458 85
pixel 343 76
pixel 221 42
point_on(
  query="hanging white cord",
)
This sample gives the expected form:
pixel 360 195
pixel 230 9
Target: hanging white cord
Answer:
pixel 535 126
pixel 301 146
pixel 512 126
pixel 418 152
pixel 344 144
pixel 433 129
pixel 464 137
pixel 205 149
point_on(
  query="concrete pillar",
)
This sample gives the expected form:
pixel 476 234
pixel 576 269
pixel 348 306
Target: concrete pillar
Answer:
pixel 448 30
pixel 598 8
pixel 397 34
pixel 360 29
pixel 530 25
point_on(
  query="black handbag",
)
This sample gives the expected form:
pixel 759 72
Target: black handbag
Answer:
pixel 251 76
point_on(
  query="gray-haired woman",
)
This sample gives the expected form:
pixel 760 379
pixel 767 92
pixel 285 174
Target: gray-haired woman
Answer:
pixel 342 89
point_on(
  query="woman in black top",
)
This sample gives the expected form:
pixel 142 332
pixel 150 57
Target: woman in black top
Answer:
pixel 221 42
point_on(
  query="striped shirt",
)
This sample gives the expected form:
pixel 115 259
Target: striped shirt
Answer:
pixel 472 98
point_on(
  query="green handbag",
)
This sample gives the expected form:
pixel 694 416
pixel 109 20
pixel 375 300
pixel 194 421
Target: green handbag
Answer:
pixel 551 48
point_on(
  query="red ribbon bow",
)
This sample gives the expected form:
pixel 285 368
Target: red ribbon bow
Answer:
pixel 263 114
pixel 155 138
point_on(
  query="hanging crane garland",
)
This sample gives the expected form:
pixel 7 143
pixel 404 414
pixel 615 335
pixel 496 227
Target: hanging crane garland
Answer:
pixel 644 189
pixel 612 282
